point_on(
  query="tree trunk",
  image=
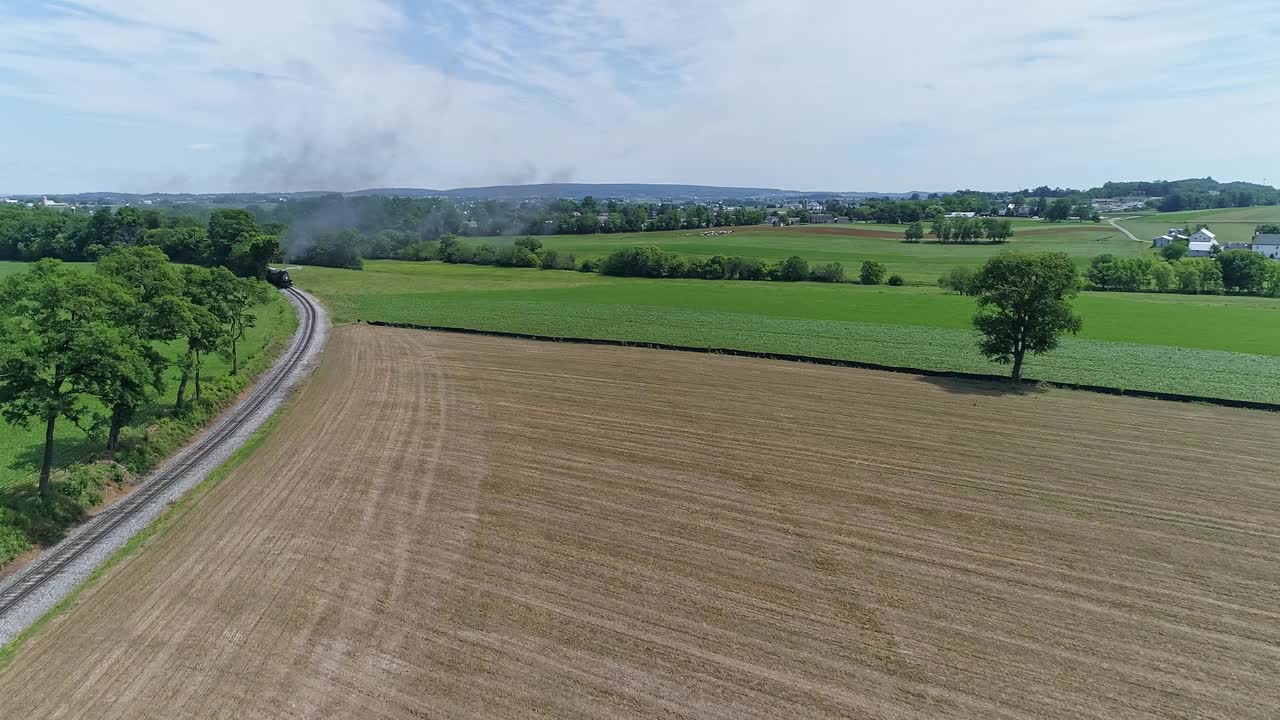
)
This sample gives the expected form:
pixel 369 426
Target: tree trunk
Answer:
pixel 46 466
pixel 119 414
pixel 235 363
pixel 1017 365
pixel 182 390
pixel 197 376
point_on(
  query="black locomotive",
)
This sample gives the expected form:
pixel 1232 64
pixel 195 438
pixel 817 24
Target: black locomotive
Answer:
pixel 279 278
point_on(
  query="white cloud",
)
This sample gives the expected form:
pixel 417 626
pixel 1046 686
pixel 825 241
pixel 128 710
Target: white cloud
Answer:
pixel 926 95
pixel 201 147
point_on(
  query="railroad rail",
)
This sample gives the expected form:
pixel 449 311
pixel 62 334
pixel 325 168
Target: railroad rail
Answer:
pixel 35 576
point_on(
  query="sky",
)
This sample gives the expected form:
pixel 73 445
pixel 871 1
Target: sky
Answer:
pixel 289 95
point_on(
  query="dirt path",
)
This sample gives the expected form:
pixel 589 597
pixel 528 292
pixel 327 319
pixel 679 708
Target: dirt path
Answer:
pixel 449 526
pixel 1115 223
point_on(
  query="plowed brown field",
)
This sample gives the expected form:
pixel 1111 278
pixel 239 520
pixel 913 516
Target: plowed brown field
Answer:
pixel 455 526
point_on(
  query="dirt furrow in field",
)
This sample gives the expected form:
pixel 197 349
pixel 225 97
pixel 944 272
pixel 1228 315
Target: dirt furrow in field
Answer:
pixel 453 526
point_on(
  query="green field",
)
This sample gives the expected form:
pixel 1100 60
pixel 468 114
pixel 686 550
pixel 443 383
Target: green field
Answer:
pixel 1216 346
pixel 21 447
pixel 918 263
pixel 1230 224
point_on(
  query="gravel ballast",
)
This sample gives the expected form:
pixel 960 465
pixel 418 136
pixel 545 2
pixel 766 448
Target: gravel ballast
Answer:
pixel 38 602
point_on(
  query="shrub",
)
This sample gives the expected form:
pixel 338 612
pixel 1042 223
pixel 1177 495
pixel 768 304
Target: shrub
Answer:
pixel 530 243
pixel 793 269
pixel 486 254
pixel 832 272
pixel 896 281
pixel 872 272
pixel 644 261
pixel 589 265
pixel 958 280
pixel 516 256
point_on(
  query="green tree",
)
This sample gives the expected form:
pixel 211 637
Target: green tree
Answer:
pixel 1243 270
pixel 1162 276
pixel 58 344
pixel 1174 251
pixel 793 269
pixel 205 329
pixel 940 229
pixel 158 313
pixel 872 272
pixel 240 297
pixel 1058 211
pixel 1024 305
pixel 914 232
pixel 229 234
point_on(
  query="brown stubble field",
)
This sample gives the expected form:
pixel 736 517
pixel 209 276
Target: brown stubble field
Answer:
pixel 452 526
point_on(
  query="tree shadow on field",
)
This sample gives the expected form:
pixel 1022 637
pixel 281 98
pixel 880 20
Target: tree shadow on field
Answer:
pixel 986 388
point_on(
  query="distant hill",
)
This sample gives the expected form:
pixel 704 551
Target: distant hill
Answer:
pixel 546 191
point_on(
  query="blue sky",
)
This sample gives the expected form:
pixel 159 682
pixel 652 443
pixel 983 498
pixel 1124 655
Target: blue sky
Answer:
pixel 157 95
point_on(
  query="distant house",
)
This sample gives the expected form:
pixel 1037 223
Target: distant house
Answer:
pixel 962 214
pixel 841 220
pixel 822 218
pixel 1268 245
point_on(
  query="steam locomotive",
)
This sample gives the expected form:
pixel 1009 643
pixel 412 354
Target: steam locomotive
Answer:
pixel 279 278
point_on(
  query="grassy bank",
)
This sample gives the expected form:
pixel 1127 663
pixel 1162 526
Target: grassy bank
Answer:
pixel 1201 345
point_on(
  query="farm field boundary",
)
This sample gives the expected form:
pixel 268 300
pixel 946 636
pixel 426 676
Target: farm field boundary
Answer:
pixel 837 362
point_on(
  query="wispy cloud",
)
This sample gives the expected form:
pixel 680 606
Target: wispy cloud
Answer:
pixel 339 93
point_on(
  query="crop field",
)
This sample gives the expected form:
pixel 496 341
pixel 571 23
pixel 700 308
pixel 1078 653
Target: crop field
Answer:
pixel 466 527
pixel 21 447
pixel 1230 224
pixel 1205 345
pixel 918 263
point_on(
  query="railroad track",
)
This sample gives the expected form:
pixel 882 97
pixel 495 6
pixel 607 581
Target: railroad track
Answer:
pixel 103 524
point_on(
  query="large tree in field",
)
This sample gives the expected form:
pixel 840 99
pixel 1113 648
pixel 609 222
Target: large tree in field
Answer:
pixel 914 232
pixel 1024 304
pixel 159 313
pixel 59 342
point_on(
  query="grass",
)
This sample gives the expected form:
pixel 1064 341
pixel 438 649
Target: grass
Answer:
pixel 918 263
pixel 21 447
pixel 1229 224
pixel 169 518
pixel 1213 346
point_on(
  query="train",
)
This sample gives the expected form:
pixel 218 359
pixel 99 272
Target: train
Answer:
pixel 279 278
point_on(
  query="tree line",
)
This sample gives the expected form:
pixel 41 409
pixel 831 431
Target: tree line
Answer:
pixel 87 347
pixel 230 238
pixel 1241 272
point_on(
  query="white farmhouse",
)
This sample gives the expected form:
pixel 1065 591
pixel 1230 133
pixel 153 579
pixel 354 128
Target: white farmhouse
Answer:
pixel 1267 245
pixel 1204 235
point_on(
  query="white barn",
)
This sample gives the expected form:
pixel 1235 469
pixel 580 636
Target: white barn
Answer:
pixel 1203 235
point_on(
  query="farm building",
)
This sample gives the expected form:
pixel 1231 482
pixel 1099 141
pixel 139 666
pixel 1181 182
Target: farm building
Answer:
pixel 1268 245
pixel 842 220
pixel 1201 248
pixel 1174 235
pixel 821 218
pixel 962 214
pixel 1204 235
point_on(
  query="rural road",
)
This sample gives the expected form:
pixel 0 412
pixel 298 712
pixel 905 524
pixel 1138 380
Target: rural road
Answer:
pixel 1115 224
pixel 31 592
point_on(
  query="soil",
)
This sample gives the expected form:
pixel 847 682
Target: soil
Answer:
pixel 451 526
